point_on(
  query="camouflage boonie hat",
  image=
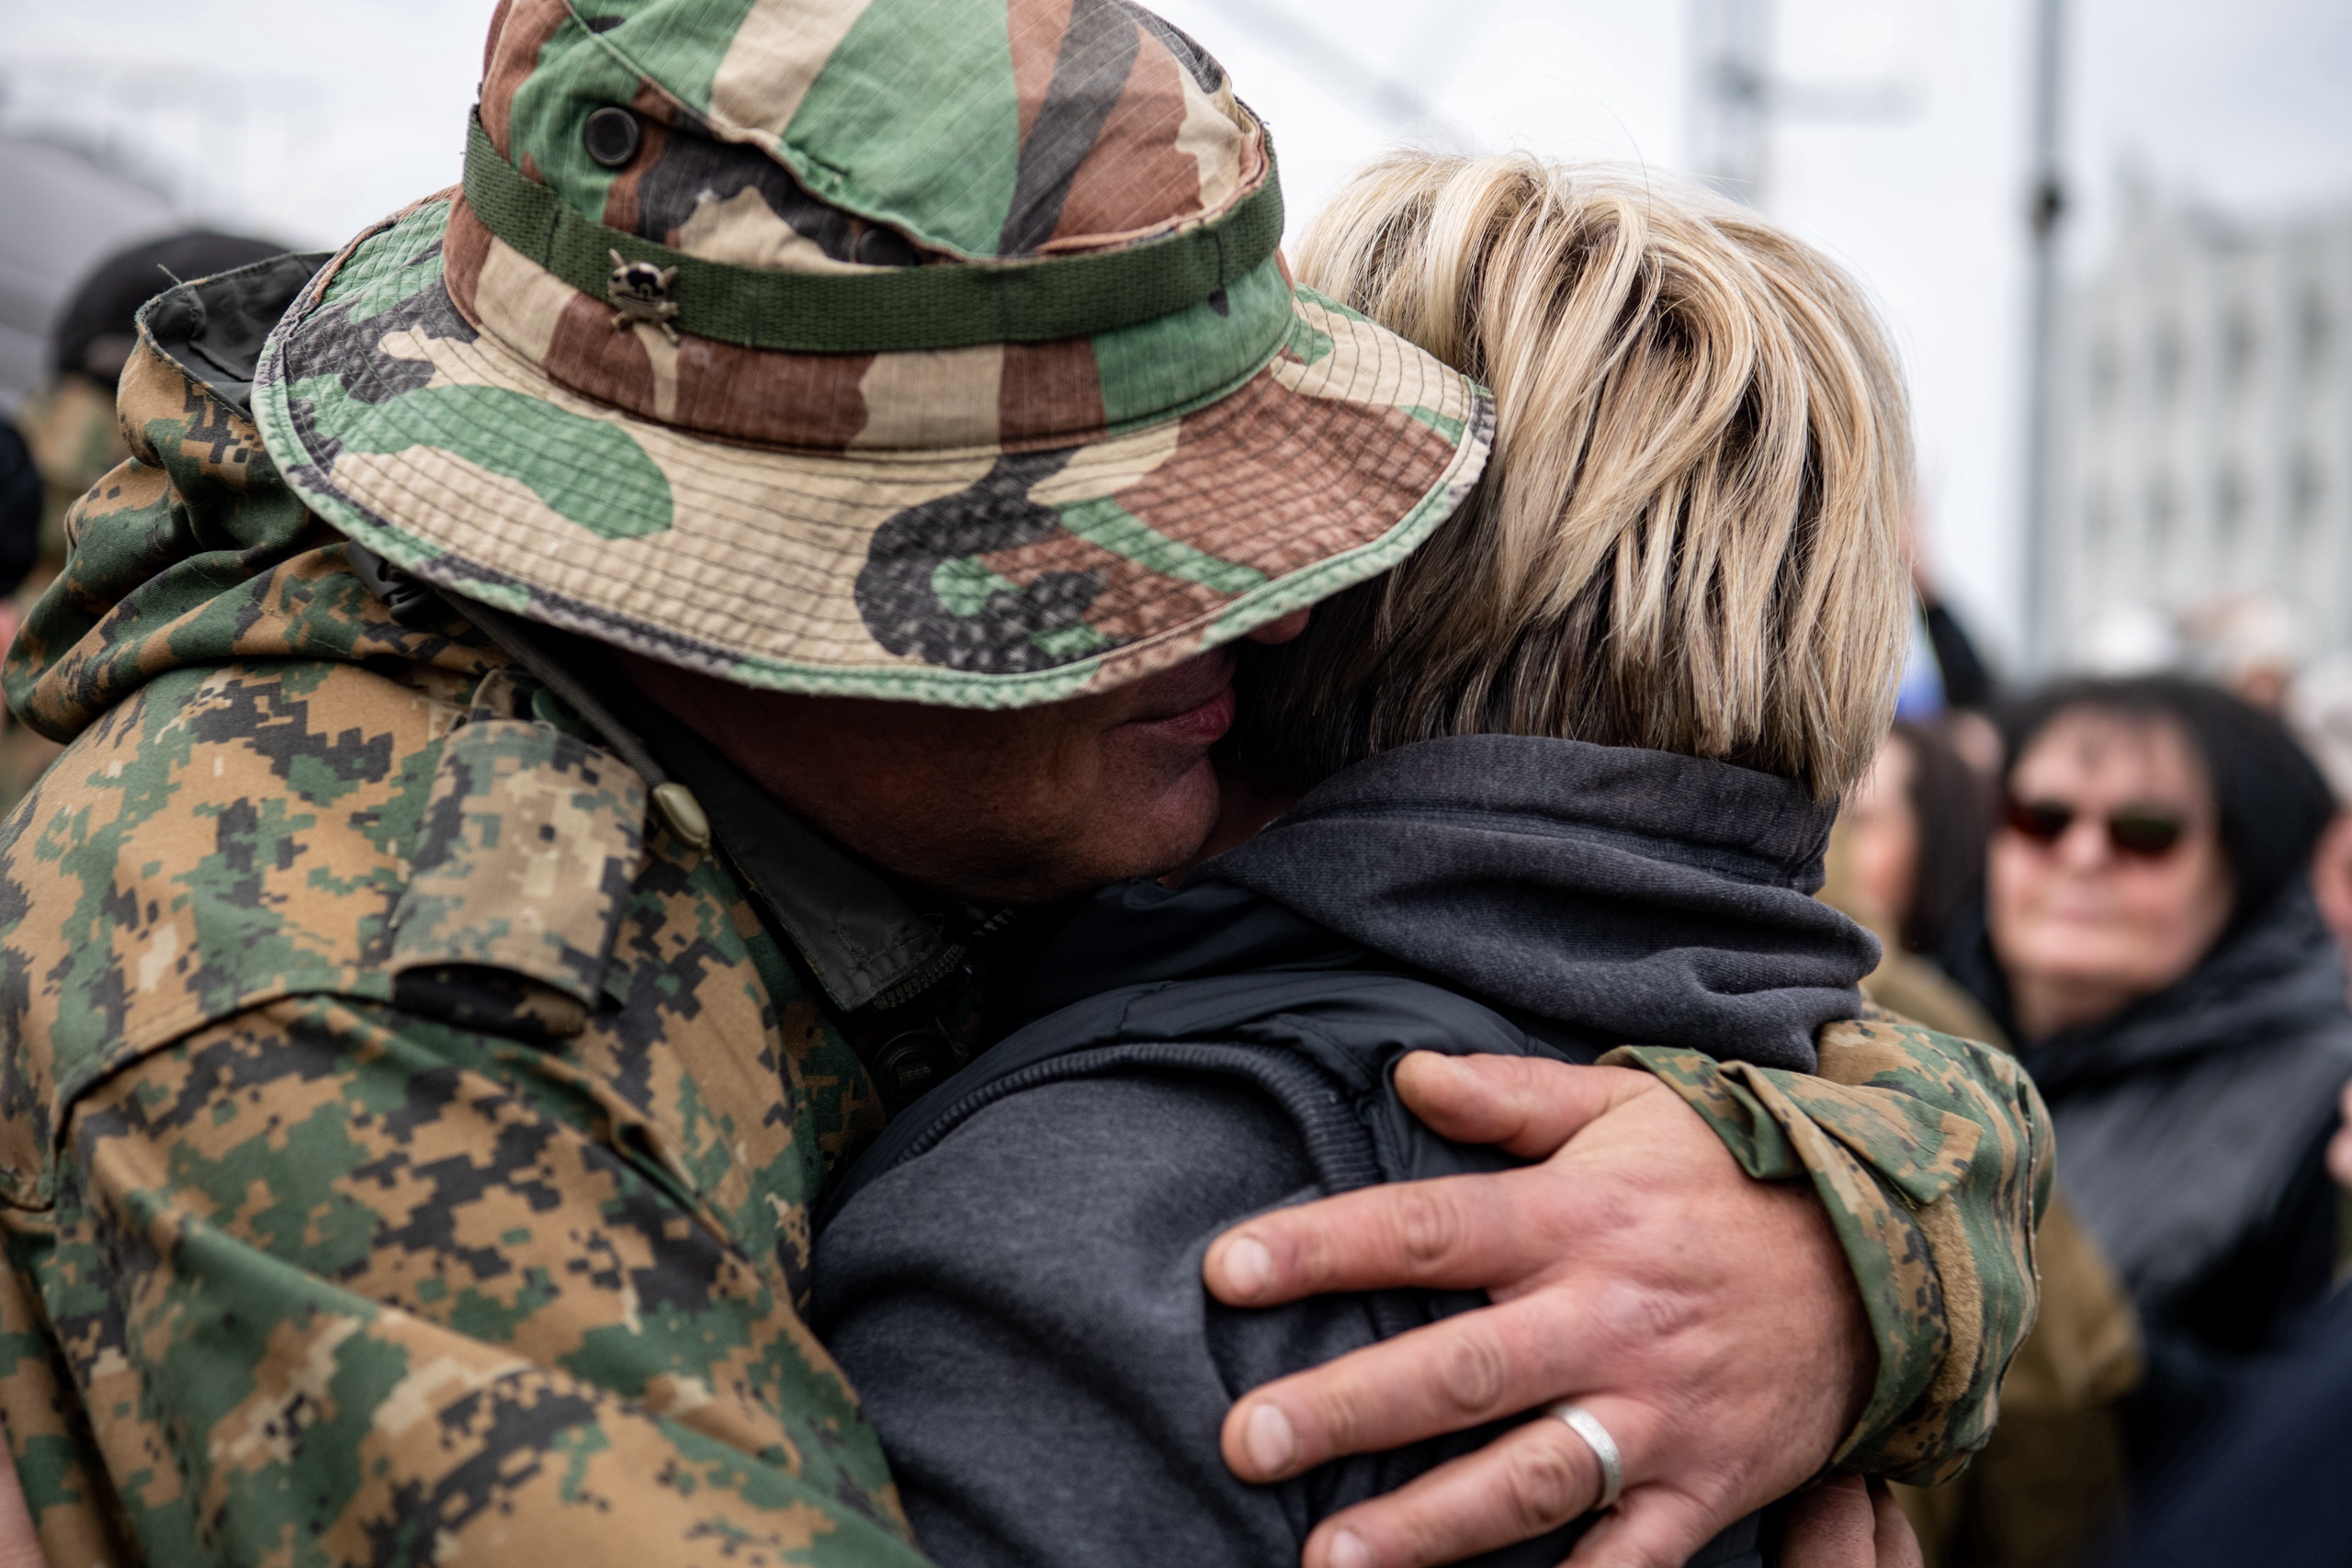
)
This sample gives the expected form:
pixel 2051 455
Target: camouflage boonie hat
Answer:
pixel 923 349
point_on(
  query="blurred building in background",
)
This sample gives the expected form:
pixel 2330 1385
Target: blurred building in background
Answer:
pixel 2203 481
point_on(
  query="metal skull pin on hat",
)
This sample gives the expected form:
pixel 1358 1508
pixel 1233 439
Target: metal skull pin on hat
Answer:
pixel 640 293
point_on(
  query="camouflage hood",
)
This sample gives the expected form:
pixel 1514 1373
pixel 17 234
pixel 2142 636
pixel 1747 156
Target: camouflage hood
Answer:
pixel 195 551
pixel 934 350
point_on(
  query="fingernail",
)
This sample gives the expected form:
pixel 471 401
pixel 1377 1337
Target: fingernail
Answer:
pixel 1348 1550
pixel 1248 1267
pixel 1454 1067
pixel 1271 1444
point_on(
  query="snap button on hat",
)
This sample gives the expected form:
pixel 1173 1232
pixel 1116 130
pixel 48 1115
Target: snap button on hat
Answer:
pixel 612 136
pixel 885 247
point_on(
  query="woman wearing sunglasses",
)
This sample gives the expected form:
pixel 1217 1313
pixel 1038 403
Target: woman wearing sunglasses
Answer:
pixel 2152 944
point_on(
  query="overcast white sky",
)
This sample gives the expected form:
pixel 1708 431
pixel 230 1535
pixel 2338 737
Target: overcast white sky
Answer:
pixel 307 119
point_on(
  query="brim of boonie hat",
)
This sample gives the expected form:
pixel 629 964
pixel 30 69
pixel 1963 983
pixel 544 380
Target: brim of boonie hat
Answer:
pixel 979 576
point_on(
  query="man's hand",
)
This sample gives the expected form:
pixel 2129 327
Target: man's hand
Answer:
pixel 1848 1523
pixel 1708 1320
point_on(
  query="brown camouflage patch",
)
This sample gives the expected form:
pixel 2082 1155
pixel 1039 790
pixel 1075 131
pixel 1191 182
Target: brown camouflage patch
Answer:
pixel 1034 30
pixel 519 30
pixel 1124 184
pixel 1051 391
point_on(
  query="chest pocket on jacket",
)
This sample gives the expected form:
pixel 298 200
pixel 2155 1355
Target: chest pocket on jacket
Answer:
pixel 530 841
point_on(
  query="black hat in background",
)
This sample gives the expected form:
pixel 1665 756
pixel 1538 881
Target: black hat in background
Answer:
pixel 94 331
pixel 20 498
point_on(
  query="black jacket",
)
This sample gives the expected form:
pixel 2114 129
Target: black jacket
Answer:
pixel 2191 1132
pixel 2270 1486
pixel 1011 1275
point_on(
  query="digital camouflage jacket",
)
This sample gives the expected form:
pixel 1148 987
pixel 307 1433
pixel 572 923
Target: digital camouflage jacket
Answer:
pixel 408 1137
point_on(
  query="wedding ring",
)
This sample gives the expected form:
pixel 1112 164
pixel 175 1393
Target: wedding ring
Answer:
pixel 1586 1424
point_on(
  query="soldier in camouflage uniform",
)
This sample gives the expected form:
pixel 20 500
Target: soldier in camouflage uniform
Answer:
pixel 421 1051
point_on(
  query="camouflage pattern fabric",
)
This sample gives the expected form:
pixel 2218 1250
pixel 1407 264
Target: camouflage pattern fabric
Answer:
pixel 1933 1157
pixel 407 1145
pixel 529 843
pixel 405 1156
pixel 991 524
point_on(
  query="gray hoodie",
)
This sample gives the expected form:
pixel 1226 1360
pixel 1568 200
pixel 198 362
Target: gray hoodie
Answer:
pixel 1011 1277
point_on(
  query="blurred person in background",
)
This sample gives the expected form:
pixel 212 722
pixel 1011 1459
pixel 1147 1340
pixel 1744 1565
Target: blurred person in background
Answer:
pixel 2151 942
pixel 72 439
pixel 1906 859
pixel 70 424
pixel 22 494
pixel 2319 705
pixel 2250 642
pixel 1966 689
pixel 2269 1488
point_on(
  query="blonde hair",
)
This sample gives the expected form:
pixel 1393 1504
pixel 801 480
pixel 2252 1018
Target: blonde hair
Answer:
pixel 1687 535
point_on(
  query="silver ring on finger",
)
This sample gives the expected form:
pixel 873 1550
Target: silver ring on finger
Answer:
pixel 1586 1424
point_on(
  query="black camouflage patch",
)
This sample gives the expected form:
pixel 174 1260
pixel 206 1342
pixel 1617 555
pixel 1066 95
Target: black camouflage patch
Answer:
pixel 1000 629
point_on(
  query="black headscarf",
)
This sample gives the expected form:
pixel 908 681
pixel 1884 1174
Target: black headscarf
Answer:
pixel 20 498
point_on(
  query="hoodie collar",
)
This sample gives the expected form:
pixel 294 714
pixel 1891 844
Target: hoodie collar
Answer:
pixel 1627 895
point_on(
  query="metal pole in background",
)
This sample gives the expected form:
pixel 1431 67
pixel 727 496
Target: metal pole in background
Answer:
pixel 1731 42
pixel 1403 99
pixel 2046 206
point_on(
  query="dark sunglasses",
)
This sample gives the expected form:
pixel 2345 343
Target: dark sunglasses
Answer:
pixel 2149 835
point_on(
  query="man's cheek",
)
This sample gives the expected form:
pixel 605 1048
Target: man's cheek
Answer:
pixel 1150 804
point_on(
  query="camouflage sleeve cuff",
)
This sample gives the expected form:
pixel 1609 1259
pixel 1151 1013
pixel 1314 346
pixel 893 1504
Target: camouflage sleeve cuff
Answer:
pixel 1933 1157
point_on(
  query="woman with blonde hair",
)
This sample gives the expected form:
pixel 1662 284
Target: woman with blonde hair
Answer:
pixel 1560 781
pixel 1688 539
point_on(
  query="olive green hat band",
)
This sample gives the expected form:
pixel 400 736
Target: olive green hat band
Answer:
pixel 951 305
